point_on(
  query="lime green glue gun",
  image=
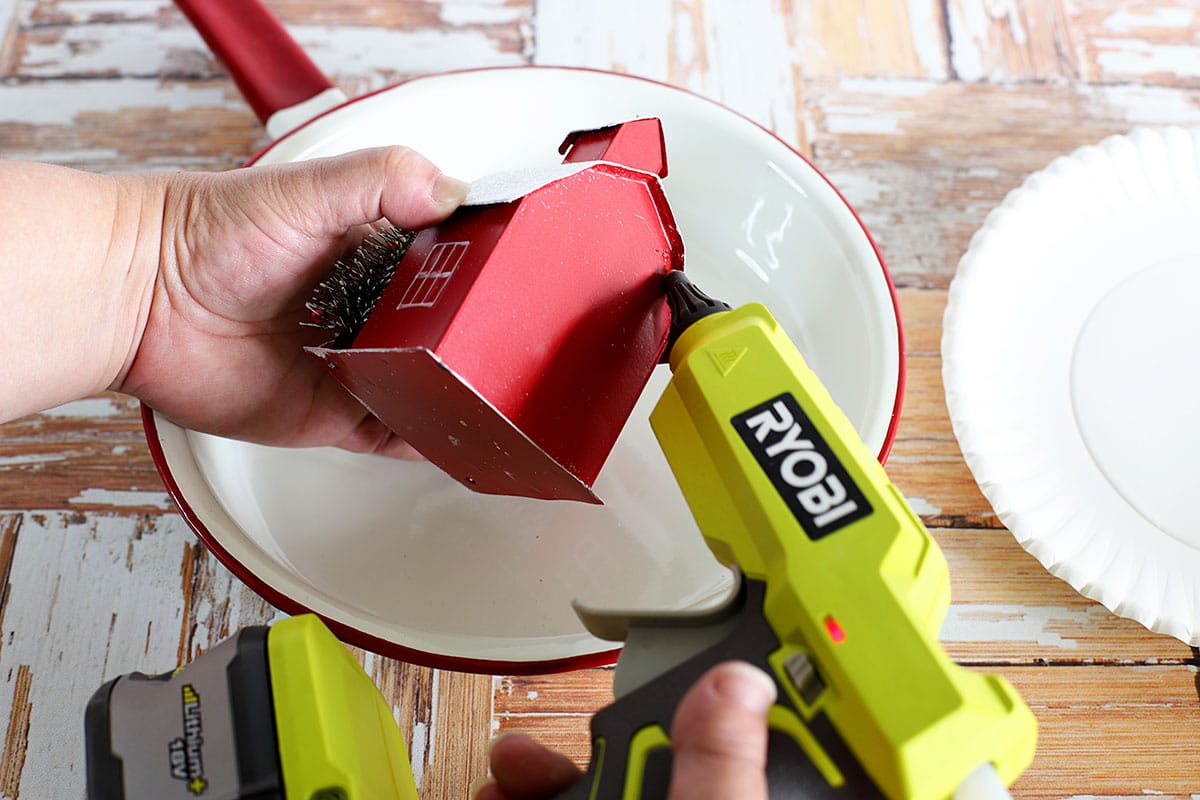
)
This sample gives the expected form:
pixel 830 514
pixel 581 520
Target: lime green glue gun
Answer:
pixel 840 597
pixel 840 592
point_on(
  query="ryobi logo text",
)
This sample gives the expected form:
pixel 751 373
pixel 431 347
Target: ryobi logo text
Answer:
pixel 814 484
pixel 187 762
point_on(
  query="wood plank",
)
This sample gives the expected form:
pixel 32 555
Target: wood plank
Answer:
pixel 105 84
pixel 568 734
pixel 411 691
pixel 8 30
pixel 694 44
pixel 397 13
pixel 1111 732
pixel 924 162
pixel 457 754
pixel 361 46
pixel 872 38
pixel 10 528
pixel 925 461
pixel 124 125
pixel 580 691
pixel 1099 727
pixel 445 718
pixel 92 597
pixel 1018 40
pixel 1140 42
pixel 554 709
pixel 88 455
pixel 16 736
pixel 96 600
pixel 1006 608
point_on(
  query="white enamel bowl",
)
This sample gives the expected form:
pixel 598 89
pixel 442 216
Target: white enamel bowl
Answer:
pixel 402 560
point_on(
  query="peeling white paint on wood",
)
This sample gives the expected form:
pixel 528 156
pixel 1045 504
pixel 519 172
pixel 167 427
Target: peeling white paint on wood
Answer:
pixel 381 55
pixel 1132 57
pixel 632 36
pixel 146 49
pixel 416 751
pixel 1125 21
pixel 62 103
pixel 909 88
pixel 923 508
pixel 928 37
pixel 1002 40
pixel 84 11
pixel 758 79
pixel 89 408
pixel 1148 105
pixel 130 499
pixel 140 49
pixel 8 17
pixel 427 754
pixel 99 597
pixel 870 38
pixel 24 460
pixel 870 106
pixel 1040 625
pixel 699 46
pixel 858 188
pixel 479 12
pixel 78 158
pixel 854 119
pixel 969 31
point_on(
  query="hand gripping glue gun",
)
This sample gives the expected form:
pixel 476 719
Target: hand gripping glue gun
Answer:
pixel 842 592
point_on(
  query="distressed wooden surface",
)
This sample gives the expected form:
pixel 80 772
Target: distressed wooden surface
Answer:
pixel 924 112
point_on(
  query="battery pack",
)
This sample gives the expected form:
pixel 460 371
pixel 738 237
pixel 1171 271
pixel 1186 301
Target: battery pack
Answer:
pixel 279 713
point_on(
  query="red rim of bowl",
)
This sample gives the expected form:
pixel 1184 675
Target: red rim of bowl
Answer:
pixel 359 638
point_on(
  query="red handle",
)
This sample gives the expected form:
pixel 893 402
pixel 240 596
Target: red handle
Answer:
pixel 269 68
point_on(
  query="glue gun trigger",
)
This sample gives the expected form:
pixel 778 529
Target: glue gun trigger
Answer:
pixel 658 641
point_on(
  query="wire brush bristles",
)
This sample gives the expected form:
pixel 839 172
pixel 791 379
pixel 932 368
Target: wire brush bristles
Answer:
pixel 342 302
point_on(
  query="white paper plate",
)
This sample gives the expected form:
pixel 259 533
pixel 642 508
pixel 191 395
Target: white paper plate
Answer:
pixel 401 559
pixel 1071 360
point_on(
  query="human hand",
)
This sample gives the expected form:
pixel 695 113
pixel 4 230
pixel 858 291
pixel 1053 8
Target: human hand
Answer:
pixel 719 738
pixel 221 350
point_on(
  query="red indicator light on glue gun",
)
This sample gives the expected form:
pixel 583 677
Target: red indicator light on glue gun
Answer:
pixel 835 630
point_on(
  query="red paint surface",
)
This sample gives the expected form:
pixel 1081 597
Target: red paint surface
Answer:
pixel 638 144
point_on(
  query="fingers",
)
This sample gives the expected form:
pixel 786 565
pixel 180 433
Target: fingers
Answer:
pixel 386 182
pixel 719 739
pixel 374 438
pixel 719 735
pixel 522 769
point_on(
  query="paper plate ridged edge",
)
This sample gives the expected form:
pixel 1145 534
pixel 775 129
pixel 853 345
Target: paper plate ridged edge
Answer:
pixel 1068 542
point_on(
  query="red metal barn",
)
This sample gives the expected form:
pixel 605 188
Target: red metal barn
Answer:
pixel 516 336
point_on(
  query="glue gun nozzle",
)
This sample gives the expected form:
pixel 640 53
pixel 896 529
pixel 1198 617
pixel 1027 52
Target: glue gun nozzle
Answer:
pixel 688 305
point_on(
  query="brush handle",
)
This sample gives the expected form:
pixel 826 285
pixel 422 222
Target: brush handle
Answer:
pixel 270 69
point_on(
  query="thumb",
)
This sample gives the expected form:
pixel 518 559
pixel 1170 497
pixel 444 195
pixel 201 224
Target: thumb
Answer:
pixel 395 183
pixel 719 735
pixel 260 236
